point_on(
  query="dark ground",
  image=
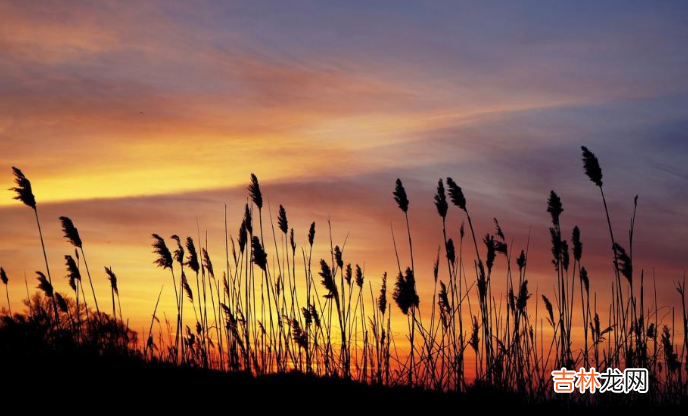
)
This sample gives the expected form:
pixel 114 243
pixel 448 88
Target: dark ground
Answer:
pixel 116 384
pixel 122 383
pixel 61 377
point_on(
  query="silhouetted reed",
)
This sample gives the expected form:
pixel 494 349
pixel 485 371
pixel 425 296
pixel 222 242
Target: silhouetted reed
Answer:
pixel 24 193
pixel 5 281
pixel 592 168
pixel 165 261
pixel 114 290
pixel 72 235
pixel 405 288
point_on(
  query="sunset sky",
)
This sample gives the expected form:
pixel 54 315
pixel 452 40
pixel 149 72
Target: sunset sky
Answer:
pixel 139 117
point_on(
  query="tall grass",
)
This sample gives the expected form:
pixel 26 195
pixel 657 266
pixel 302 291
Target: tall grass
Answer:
pixel 266 315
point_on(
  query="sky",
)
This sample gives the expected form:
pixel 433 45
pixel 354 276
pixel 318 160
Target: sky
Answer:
pixel 134 117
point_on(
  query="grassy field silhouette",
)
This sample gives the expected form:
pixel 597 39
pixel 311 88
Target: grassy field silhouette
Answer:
pixel 274 319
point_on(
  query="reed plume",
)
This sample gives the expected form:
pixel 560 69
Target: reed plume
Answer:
pixel 73 273
pixel 74 277
pixel 456 194
pixel 382 299
pixel 405 294
pixel 441 200
pixel 359 276
pixel 282 220
pixel 315 316
pixel 207 263
pixel 521 261
pixel 254 192
pixel 259 256
pixel 23 190
pixel 584 279
pixel 592 166
pixel 328 281
pixel 311 234
pixel 187 288
pixel 523 297
pixel 491 251
pixel 443 305
pixel 114 290
pixel 70 232
pixel 192 255
pixel 400 196
pixel 242 238
pixel 299 335
pixel 550 311
pixel 577 244
pixel 407 300
pixel 670 356
pixel 178 253
pixel 248 219
pixel 61 303
pixel 554 207
pixel 457 197
pixel 45 285
pixel 624 263
pixel 164 259
pixel 5 281
pixel 474 340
